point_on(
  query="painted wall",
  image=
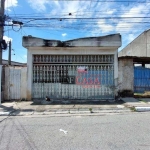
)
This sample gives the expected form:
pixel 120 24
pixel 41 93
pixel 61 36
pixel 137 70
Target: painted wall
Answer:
pixel 67 51
pixel 126 77
pixel 113 40
pixel 139 47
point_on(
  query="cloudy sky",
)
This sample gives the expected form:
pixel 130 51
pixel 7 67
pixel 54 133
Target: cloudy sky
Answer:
pixel 70 19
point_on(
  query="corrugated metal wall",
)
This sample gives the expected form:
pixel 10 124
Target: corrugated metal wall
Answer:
pixel 15 83
pixel 3 82
pixel 71 82
pixel 73 76
pixel 141 79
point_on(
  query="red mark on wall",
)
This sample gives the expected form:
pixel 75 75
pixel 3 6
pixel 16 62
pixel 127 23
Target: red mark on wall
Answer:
pixel 88 82
pixel 87 79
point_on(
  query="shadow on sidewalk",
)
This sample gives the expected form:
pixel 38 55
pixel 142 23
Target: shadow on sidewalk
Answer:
pixel 9 111
pixel 8 107
pixel 76 102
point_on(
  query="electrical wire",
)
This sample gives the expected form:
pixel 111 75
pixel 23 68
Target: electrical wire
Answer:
pixel 81 19
pixel 106 1
pixel 87 19
pixel 17 29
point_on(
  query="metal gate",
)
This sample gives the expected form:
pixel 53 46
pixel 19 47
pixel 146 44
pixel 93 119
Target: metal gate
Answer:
pixel 12 83
pixel 141 79
pixel 73 77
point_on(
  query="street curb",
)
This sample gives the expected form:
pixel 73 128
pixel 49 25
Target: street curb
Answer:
pixel 5 113
pixel 78 115
pixel 142 109
pixel 32 113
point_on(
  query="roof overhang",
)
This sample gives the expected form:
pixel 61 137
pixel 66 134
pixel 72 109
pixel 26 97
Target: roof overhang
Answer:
pixel 137 60
pixel 113 40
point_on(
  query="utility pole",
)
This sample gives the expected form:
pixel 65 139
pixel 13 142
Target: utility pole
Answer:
pixel 2 6
pixel 9 54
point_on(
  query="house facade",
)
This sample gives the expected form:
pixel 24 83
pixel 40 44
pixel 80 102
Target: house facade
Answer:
pixel 134 62
pixel 85 68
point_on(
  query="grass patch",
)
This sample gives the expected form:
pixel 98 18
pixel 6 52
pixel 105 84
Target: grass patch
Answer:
pixel 146 94
pixel 132 109
pixel 90 109
pixel 142 100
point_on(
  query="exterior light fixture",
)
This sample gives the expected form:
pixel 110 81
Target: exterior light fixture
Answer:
pixel 17 23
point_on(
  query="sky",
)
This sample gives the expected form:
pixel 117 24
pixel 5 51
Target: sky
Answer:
pixel 71 19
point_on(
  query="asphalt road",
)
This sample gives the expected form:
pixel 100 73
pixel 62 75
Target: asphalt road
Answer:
pixel 111 132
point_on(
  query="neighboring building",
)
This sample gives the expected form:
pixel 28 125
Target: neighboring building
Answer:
pixel 85 68
pixel 13 63
pixel 132 78
pixel 13 84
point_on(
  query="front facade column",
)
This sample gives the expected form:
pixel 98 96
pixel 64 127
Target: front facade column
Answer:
pixel 29 75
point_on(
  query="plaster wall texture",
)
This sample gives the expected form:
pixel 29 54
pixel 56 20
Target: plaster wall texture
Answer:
pixel 126 75
pixel 139 47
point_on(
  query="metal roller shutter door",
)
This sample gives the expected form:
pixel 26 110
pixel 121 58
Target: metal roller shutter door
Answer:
pixel 73 77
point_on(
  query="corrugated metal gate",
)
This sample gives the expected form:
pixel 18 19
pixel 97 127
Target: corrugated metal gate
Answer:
pixel 12 83
pixel 73 77
pixel 141 79
pixel 15 82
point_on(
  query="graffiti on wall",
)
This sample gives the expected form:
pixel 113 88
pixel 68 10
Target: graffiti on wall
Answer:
pixel 87 79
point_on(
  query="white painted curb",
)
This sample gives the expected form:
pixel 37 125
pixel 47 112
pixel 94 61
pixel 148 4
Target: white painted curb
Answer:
pixel 141 109
pixel 4 113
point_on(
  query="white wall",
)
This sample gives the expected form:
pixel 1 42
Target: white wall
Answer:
pixel 139 47
pixel 68 51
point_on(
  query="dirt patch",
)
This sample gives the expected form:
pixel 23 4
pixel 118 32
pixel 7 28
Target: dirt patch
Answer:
pixel 142 95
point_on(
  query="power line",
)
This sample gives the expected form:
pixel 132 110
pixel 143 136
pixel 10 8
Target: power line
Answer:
pixel 13 9
pixel 74 18
pixel 106 1
pixel 73 22
pixel 88 11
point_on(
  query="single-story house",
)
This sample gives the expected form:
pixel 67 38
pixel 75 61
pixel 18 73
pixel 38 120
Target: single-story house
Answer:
pixel 84 68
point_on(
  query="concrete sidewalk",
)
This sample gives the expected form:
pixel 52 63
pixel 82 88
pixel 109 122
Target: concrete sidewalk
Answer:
pixel 48 108
pixel 74 107
pixel 130 101
pixel 138 104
